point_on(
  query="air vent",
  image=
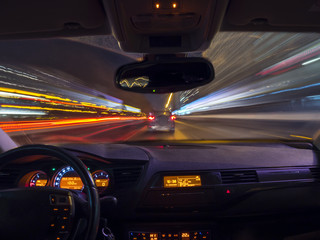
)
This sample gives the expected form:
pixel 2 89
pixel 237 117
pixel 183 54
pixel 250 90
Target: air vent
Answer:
pixel 239 176
pixel 315 173
pixel 126 177
pixel 8 177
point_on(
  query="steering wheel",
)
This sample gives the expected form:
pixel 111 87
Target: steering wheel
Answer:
pixel 48 213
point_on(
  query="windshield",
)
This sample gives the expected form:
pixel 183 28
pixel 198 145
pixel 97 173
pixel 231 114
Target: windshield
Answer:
pixel 58 91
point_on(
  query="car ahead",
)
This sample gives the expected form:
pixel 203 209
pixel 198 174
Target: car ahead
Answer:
pixel 161 121
pixel 77 161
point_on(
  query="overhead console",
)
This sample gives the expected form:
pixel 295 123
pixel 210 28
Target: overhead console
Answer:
pixel 165 26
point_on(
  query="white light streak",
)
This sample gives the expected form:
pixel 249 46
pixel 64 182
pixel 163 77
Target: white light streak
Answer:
pixel 311 61
pixel 20 112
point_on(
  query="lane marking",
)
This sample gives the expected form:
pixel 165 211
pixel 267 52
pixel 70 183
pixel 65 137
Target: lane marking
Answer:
pixel 193 126
pixel 105 130
pixel 212 130
pixel 135 133
pixel 178 135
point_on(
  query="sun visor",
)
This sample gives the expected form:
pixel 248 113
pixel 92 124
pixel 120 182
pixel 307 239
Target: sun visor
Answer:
pixel 272 15
pixel 39 18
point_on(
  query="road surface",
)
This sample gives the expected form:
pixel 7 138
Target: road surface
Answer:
pixel 198 128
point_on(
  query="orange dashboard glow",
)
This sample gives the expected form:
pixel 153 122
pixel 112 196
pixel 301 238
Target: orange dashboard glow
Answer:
pixel 41 182
pixel 185 236
pixel 102 182
pixel 182 181
pixel 74 183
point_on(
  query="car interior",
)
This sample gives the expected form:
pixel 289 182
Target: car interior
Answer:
pixel 167 189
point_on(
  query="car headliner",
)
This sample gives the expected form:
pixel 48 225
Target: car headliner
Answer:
pixel 39 19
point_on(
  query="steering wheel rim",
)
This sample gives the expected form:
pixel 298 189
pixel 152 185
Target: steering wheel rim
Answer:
pixel 77 165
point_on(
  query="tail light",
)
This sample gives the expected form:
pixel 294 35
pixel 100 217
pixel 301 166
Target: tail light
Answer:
pixel 173 117
pixel 151 118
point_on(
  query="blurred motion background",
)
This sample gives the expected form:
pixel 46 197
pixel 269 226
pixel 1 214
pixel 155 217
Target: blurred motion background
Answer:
pixel 58 91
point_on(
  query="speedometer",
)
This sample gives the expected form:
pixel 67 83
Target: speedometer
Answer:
pixel 68 178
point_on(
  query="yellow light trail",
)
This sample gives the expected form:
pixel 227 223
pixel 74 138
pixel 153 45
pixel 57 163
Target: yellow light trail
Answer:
pixel 53 100
pixel 40 95
pixel 169 100
pixel 303 137
pixel 33 94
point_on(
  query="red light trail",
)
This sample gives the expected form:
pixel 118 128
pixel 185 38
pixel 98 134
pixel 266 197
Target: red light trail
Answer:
pixel 44 124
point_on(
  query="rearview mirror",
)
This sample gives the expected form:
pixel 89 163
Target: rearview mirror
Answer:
pixel 165 75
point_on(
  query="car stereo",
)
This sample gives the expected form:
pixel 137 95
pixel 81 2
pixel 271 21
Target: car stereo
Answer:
pixel 182 181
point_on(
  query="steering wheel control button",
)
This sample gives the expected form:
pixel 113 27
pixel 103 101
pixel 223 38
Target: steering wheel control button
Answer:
pixel 61 218
pixel 62 236
pixel 59 200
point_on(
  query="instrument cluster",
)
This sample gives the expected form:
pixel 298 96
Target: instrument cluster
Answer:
pixel 66 178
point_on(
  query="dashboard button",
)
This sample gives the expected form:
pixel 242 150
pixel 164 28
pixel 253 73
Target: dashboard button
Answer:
pixel 53 199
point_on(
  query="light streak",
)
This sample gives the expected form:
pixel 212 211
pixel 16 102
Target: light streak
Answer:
pixel 80 107
pixel 303 137
pixel 26 95
pixel 307 54
pixel 33 94
pixel 46 108
pixel 45 124
pixel 227 98
pixel 169 100
pixel 20 112
pixel 311 61
pixel 18 73
pixel 132 109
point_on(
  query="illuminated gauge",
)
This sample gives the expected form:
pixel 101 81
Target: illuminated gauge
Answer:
pixel 68 178
pixel 38 179
pixel 101 179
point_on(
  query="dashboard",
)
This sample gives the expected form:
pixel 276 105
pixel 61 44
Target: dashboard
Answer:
pixel 65 177
pixel 190 192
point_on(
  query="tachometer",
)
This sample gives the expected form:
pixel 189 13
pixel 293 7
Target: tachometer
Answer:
pixel 68 178
pixel 101 179
pixel 38 179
